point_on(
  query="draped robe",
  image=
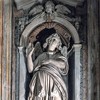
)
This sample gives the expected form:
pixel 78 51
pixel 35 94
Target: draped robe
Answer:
pixel 47 82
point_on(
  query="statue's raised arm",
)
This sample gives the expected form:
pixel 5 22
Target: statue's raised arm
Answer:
pixel 32 52
pixel 29 52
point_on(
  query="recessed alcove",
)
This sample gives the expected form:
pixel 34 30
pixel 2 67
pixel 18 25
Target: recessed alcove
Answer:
pixel 69 79
pixel 69 37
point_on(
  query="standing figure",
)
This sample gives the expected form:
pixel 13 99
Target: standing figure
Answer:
pixel 48 68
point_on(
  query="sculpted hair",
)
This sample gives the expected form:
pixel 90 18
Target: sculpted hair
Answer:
pixel 49 39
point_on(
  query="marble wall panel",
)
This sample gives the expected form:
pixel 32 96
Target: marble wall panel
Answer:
pixel 0 42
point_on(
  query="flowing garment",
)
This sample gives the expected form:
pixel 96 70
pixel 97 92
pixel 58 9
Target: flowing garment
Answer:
pixel 47 82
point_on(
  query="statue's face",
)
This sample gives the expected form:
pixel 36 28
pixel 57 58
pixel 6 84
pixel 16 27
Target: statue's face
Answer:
pixel 54 43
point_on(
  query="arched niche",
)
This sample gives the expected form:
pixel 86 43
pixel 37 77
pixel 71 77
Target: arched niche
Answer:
pixel 60 29
pixel 30 33
pixel 40 21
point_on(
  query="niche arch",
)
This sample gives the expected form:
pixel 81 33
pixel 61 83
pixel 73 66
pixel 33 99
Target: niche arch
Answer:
pixel 39 21
pixel 34 28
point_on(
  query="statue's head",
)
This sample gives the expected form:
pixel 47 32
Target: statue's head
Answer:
pixel 53 42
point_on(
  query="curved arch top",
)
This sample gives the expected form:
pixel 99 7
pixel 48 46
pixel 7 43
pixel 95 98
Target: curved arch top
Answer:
pixel 70 27
pixel 38 21
pixel 29 28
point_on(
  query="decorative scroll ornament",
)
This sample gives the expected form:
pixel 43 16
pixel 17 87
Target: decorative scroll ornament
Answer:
pixel 50 10
pixel 25 4
pixel 36 10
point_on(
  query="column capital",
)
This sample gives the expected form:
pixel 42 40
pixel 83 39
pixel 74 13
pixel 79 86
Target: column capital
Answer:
pixel 20 49
pixel 77 46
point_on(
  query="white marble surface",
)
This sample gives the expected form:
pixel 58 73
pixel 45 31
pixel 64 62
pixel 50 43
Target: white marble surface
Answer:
pixel 24 4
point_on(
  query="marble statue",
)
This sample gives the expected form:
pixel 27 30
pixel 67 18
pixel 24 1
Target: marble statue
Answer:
pixel 48 69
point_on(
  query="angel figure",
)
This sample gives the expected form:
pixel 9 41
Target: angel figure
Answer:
pixel 48 68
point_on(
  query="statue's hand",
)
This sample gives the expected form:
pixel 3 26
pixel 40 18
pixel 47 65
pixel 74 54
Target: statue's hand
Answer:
pixel 29 52
pixel 29 49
